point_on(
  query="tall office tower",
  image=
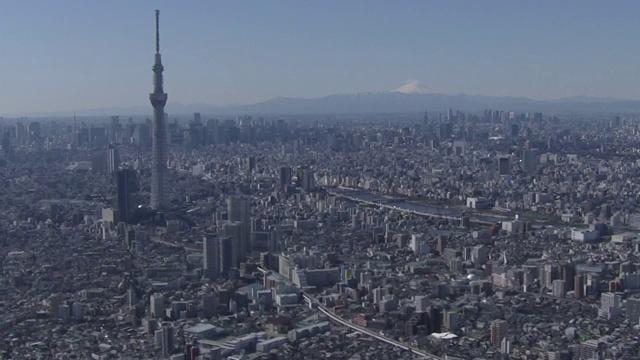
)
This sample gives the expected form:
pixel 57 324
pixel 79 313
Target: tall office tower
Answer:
pixel 308 182
pixel 609 305
pixel 165 340
pixel 559 288
pixel 498 332
pixel 450 115
pixel 568 274
pixel 113 159
pixel 578 286
pixel 159 139
pixel 421 303
pixel 126 185
pixel 504 165
pixel 451 320
pixel 234 231
pixel 529 161
pixel 551 272
pixel 239 210
pixel 515 130
pixel 285 177
pixel 156 304
pixel 211 257
pixel 227 256
pixel 435 319
pixel 250 165
pixel 633 310
pixel 209 305
pixel 5 144
pixel 441 244
pixel 35 131
pixel 425 121
pixel 115 130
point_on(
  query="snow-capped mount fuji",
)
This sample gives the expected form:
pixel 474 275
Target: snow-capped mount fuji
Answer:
pixel 412 87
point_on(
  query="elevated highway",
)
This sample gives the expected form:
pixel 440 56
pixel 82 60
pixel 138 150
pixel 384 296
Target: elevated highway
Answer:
pixel 312 302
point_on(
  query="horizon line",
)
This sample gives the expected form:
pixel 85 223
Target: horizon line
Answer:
pixel 59 113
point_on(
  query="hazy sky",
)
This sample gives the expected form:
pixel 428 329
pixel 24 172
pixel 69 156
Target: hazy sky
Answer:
pixel 73 55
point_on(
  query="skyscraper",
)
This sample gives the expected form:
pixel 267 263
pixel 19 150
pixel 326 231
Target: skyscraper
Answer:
pixel 609 305
pixel 239 210
pixel 211 260
pixel 285 177
pixel 559 288
pixel 156 304
pixel 159 138
pixel 504 165
pixel 529 161
pixel 233 230
pixel 165 340
pixel 633 310
pixel 498 332
pixel 113 158
pixel 227 257
pixel 126 185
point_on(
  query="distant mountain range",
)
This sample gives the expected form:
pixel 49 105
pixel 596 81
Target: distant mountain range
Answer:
pixel 388 102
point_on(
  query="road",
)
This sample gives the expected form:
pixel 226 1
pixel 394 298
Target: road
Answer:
pixel 313 302
pixel 157 239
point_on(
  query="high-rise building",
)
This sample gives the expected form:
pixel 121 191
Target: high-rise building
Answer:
pixel 589 349
pixel 209 305
pixel 165 340
pixel 551 272
pixel 498 332
pixel 633 310
pixel 211 257
pixel 505 346
pixel 159 138
pixel 441 244
pixel 156 304
pixel 568 273
pixel 308 181
pixel 504 165
pixel 451 320
pixel 239 210
pixel 227 258
pixel 515 130
pixel 113 158
pixel 421 303
pixel 479 255
pixel 126 185
pixel 34 130
pixel 578 286
pixel 233 231
pixel 285 177
pixel 609 305
pixel 559 288
pixel 529 161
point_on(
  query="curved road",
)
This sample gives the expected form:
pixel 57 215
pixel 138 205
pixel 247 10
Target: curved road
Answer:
pixel 313 302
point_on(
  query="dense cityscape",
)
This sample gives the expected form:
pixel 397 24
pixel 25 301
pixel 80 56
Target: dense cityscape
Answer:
pixel 429 235
pixel 495 234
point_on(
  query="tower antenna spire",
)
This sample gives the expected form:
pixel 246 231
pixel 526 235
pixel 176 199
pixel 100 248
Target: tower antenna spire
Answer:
pixel 157 31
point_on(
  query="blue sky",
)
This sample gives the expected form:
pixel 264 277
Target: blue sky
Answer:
pixel 71 55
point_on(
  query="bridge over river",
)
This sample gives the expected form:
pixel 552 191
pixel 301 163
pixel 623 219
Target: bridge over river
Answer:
pixel 414 208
